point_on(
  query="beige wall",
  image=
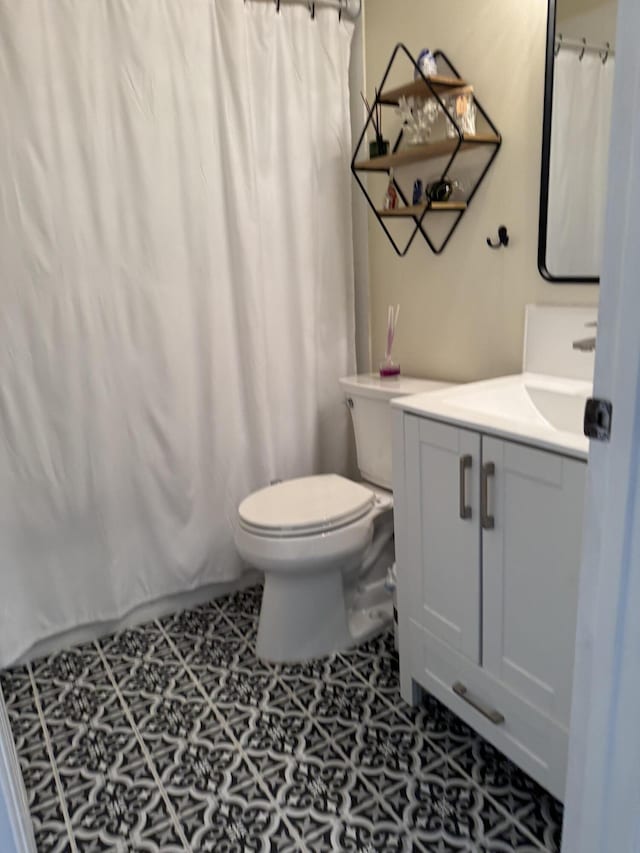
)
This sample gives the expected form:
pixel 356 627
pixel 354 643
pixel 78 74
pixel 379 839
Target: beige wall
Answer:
pixel 594 20
pixel 462 312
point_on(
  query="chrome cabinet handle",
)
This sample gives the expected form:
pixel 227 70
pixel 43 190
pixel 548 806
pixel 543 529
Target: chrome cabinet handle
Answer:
pixel 490 713
pixel 465 464
pixel 488 521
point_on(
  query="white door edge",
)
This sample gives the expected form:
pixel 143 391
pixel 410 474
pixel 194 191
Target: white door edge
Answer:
pixel 603 787
pixel 16 830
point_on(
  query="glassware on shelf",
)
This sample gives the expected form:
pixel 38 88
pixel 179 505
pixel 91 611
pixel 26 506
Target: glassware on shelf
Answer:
pixel 466 113
pixel 418 116
pixel 431 111
pixel 462 110
pixel 409 124
pixel 457 190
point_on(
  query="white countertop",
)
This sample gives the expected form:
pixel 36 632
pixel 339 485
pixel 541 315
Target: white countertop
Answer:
pixel 532 408
pixel 374 385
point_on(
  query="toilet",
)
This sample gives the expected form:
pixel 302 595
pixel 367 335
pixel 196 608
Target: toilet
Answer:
pixel 324 542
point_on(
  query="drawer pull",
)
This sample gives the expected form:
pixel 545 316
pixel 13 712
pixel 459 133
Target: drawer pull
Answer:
pixel 465 464
pixel 490 713
pixel 488 521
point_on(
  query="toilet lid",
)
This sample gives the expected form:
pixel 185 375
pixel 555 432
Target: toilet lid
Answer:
pixel 306 505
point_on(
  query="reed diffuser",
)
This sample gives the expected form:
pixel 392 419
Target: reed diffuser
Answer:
pixel 379 146
pixel 388 367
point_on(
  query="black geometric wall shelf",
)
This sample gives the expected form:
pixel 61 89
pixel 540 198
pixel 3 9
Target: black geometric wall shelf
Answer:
pixel 458 158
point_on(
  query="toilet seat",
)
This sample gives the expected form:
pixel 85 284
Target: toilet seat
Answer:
pixel 306 506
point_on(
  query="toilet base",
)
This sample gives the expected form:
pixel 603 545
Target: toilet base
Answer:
pixel 367 623
pixel 343 601
pixel 307 620
pixel 302 618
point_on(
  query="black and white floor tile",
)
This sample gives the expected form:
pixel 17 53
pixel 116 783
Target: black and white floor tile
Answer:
pixel 174 736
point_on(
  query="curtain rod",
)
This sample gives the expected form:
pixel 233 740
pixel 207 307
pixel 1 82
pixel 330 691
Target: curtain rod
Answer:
pixel 605 50
pixel 350 9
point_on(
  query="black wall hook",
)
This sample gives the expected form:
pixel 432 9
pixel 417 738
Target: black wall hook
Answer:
pixel 556 50
pixel 503 238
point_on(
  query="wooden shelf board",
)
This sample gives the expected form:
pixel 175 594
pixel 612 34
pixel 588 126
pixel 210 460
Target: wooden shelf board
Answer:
pixel 418 209
pixel 425 152
pixel 419 89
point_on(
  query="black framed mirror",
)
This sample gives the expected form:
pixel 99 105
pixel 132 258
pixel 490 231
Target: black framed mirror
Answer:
pixel 580 51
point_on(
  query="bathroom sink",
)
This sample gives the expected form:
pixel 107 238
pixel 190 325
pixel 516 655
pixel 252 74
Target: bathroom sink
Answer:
pixel 562 410
pixel 542 410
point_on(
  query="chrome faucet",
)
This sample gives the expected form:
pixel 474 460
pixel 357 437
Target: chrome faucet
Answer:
pixel 586 344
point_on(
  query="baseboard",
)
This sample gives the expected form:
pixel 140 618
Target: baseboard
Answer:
pixel 137 616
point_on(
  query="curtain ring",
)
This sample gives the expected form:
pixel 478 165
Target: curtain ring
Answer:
pixel 312 8
pixel 606 54
pixel 278 6
pixel 340 2
pixel 558 44
pixel 584 47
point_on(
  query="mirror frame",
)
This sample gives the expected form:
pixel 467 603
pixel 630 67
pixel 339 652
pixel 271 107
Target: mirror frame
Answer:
pixel 546 157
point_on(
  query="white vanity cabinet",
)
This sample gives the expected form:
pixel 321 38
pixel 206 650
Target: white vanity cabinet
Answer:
pixel 488 536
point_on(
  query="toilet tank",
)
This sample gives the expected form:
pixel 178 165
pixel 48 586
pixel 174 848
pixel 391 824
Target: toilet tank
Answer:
pixel 368 397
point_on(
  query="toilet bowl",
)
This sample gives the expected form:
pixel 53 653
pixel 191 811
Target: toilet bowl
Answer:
pixel 325 542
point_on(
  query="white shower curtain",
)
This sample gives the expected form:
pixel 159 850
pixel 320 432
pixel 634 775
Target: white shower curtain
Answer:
pixel 175 290
pixel 580 130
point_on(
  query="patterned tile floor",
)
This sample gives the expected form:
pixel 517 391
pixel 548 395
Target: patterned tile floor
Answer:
pixel 174 736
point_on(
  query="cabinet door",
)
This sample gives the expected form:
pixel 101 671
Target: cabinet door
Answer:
pixel 531 563
pixel 442 470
